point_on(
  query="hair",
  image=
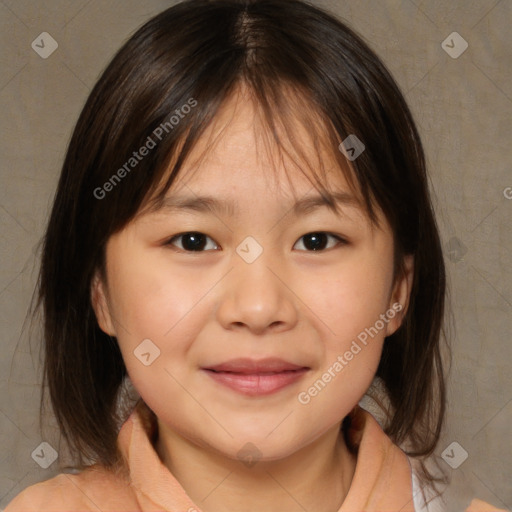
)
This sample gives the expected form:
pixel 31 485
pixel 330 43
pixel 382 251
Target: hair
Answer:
pixel 198 53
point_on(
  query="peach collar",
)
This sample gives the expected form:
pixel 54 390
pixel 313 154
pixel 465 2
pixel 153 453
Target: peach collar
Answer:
pixel 382 480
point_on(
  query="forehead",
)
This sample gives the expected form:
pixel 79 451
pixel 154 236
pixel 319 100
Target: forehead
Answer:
pixel 241 152
pixel 245 162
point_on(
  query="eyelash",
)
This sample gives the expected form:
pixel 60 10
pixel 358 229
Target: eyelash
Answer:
pixel 341 241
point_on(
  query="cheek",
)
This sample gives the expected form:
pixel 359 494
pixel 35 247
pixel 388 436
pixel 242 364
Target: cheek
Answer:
pixel 151 299
pixel 159 304
pixel 351 296
pixel 349 302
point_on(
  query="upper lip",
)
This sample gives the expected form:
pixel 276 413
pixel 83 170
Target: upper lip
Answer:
pixel 247 365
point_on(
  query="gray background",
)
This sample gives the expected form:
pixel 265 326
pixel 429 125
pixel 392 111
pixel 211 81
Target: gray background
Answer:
pixel 463 109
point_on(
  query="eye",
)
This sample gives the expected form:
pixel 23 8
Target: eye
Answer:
pixel 193 241
pixel 319 241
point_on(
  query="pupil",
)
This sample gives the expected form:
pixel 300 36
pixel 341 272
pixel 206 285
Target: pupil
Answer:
pixel 317 241
pixel 194 241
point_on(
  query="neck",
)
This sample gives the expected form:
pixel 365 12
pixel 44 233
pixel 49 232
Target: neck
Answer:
pixel 315 478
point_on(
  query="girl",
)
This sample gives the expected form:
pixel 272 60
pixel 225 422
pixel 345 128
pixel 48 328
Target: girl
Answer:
pixel 243 232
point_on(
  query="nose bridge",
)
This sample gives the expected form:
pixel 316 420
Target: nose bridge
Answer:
pixel 253 259
pixel 255 297
pixel 256 275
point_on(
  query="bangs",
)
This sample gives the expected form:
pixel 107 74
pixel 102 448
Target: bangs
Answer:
pixel 290 130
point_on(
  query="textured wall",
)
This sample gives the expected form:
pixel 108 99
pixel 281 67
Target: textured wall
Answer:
pixel 462 100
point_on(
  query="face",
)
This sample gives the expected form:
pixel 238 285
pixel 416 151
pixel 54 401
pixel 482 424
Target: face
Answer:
pixel 259 315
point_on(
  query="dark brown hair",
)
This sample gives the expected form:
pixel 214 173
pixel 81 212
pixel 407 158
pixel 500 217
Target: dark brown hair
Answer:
pixel 200 51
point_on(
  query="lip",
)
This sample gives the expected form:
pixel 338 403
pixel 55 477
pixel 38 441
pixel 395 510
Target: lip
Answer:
pixel 250 366
pixel 256 377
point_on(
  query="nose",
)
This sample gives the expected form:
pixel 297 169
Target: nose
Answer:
pixel 257 297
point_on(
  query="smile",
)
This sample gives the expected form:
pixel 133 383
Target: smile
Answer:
pixel 254 384
pixel 256 378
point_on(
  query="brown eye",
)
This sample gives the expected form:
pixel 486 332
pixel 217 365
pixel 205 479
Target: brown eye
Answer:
pixel 192 242
pixel 319 241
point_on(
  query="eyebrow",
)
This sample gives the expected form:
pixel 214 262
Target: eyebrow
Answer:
pixel 209 204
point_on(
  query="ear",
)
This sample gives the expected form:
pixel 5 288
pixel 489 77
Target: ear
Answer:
pixel 399 301
pixel 100 305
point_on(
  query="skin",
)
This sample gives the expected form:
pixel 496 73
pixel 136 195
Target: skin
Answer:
pixel 206 307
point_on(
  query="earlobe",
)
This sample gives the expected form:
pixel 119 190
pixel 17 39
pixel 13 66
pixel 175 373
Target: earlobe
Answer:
pixel 401 294
pixel 100 305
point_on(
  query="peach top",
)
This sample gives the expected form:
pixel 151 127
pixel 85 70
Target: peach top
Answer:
pixel 382 480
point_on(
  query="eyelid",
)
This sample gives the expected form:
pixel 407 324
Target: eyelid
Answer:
pixel 169 241
pixel 341 240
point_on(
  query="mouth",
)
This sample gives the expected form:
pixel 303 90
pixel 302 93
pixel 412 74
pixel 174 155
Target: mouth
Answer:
pixel 256 377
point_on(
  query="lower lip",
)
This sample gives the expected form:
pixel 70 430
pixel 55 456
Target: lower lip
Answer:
pixel 257 384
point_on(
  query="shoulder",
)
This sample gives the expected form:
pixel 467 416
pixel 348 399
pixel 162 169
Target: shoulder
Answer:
pixel 481 506
pixel 61 491
pixel 93 489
